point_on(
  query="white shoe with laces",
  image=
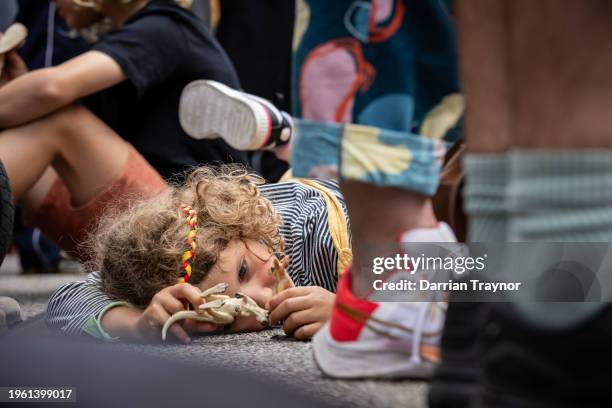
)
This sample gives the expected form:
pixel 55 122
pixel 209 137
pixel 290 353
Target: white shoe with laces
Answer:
pixel 364 338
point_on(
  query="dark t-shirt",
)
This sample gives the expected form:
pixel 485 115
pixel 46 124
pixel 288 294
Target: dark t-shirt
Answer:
pixel 48 42
pixel 261 30
pixel 161 49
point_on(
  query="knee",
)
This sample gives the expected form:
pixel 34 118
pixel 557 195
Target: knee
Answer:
pixel 67 118
pixel 68 124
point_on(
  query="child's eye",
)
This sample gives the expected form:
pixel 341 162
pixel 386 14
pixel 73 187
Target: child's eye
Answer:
pixel 243 270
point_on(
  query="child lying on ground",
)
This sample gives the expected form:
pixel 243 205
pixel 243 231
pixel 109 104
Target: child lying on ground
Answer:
pixel 241 226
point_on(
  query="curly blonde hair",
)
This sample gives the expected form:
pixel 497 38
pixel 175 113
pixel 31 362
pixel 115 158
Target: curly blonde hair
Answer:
pixel 138 250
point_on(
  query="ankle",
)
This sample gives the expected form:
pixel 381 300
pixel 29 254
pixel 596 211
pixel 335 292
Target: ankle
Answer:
pixel 386 213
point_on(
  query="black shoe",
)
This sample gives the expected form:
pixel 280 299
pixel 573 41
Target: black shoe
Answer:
pixel 456 378
pixel 209 110
pixel 527 366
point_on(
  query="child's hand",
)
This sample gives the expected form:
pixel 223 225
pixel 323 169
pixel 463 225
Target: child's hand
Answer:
pixel 164 304
pixel 304 310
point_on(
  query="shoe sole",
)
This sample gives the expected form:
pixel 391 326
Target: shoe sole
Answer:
pixel 365 359
pixel 14 36
pixel 210 110
pixel 11 310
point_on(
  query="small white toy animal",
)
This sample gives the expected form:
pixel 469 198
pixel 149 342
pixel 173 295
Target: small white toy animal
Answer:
pixel 222 309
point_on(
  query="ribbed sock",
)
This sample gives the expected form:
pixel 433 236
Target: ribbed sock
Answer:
pixel 560 196
pixel 484 193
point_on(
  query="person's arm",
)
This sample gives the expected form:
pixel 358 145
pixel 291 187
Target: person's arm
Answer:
pixel 72 305
pixel 82 307
pixel 305 309
pixel 145 325
pixel 40 92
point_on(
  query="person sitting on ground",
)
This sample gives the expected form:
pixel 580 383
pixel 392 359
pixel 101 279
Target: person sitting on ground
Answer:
pixel 242 225
pixel 129 85
pixel 144 53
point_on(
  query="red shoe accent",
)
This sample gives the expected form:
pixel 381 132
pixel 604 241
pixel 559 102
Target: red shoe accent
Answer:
pixel 343 325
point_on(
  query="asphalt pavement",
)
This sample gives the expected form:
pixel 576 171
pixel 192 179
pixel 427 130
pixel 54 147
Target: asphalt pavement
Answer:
pixel 266 354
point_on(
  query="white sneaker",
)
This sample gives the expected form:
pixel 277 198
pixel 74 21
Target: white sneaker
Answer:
pixel 209 110
pixel 364 338
pixel 13 38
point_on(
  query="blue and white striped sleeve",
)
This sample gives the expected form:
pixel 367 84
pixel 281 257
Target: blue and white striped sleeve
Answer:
pixel 308 241
pixel 72 305
pixel 318 253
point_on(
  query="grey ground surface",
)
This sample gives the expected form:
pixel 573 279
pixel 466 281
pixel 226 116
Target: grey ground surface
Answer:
pixel 267 353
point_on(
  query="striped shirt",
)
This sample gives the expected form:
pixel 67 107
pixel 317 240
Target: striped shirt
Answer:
pixel 308 243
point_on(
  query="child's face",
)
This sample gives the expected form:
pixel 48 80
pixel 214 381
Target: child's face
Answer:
pixel 76 16
pixel 245 266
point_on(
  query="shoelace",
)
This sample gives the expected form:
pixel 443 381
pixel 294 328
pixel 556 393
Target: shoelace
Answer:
pixel 432 353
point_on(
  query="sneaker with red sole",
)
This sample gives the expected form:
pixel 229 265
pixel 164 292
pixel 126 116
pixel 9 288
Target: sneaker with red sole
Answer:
pixel 366 339
pixel 209 110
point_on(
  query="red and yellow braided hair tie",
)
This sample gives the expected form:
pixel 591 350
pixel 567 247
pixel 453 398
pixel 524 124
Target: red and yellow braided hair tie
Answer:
pixel 189 255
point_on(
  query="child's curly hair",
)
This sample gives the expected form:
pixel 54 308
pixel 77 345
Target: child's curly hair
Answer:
pixel 138 250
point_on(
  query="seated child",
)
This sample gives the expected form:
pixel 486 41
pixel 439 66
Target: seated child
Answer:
pixel 62 128
pixel 241 225
pixel 143 53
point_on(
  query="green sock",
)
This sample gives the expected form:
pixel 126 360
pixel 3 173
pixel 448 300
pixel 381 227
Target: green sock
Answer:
pixel 484 193
pixel 560 196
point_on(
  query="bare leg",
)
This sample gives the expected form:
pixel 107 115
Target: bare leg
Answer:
pixel 86 154
pixel 484 68
pixel 560 71
pixel 379 216
pixel 555 61
pixel 536 73
pixel 33 199
pixel 485 77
